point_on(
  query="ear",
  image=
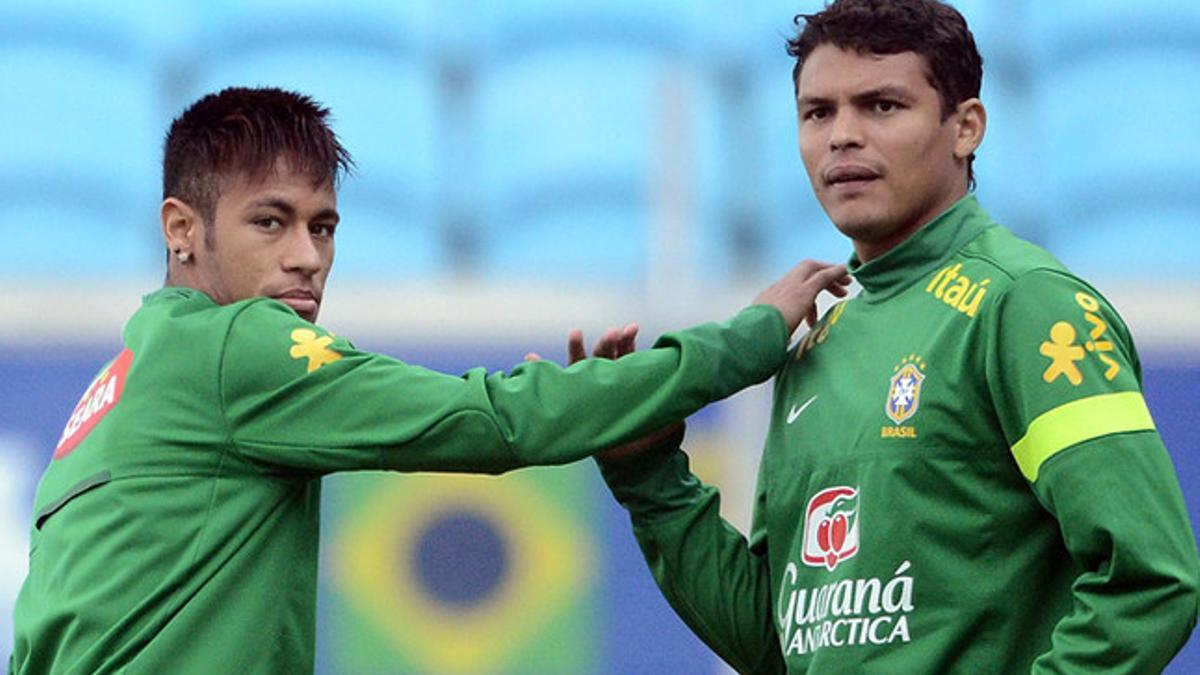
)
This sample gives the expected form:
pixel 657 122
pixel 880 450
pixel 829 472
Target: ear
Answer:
pixel 181 225
pixel 970 127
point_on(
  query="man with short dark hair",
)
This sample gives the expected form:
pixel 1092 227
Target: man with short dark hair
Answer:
pixel 176 528
pixel 961 474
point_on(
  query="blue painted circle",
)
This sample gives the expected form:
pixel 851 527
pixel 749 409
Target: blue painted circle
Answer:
pixel 461 559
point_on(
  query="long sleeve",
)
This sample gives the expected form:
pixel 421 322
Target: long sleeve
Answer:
pixel 1083 437
pixel 1124 522
pixel 298 399
pixel 714 578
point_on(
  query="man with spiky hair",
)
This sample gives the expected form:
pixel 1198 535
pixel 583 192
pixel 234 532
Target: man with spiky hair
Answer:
pixel 961 474
pixel 176 527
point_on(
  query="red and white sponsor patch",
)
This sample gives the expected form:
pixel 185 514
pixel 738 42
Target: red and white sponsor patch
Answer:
pixel 100 397
pixel 831 527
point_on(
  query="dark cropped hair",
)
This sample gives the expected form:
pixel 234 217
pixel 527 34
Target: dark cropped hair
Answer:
pixel 930 28
pixel 241 131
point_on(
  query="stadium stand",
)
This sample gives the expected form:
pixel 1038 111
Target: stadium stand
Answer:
pixel 1117 171
pixel 772 219
pixel 574 101
pixel 1007 173
pixel 78 171
pixel 1078 29
pixel 751 231
pixel 1006 169
pixel 589 138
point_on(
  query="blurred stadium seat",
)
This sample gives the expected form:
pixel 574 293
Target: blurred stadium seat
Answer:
pixel 996 26
pixel 1115 100
pixel 79 179
pixel 1007 167
pixel 1065 30
pixel 1152 242
pixel 370 64
pixel 772 219
pixel 574 103
pixel 1119 143
pixel 762 215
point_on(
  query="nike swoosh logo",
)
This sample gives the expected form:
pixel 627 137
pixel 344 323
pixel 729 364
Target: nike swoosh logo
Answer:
pixel 795 412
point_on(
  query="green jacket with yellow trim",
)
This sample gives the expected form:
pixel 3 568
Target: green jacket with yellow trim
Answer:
pixel 176 528
pixel 961 476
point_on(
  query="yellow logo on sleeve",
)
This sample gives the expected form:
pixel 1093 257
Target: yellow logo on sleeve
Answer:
pixel 316 350
pixel 1097 345
pixel 1063 352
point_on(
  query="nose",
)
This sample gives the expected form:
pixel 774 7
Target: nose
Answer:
pixel 300 252
pixel 845 131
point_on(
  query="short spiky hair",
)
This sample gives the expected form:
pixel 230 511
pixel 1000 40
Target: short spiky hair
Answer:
pixel 930 28
pixel 241 131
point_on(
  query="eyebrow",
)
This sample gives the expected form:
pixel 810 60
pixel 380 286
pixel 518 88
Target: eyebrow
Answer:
pixel 885 91
pixel 290 211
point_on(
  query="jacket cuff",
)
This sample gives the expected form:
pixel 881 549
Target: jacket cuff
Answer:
pixel 655 484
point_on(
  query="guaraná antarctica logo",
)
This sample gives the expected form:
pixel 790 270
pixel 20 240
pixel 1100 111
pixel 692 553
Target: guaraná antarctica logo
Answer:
pixel 831 527
pixel 816 611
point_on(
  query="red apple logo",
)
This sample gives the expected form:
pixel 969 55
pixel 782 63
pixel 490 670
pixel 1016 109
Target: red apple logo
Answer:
pixel 831 527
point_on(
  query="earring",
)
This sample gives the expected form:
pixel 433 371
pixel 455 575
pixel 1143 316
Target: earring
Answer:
pixel 183 256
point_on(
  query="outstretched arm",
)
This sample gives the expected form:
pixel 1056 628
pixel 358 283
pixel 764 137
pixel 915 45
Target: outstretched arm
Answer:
pixel 298 400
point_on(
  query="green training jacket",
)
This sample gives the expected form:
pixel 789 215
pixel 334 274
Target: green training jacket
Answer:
pixel 961 476
pixel 176 527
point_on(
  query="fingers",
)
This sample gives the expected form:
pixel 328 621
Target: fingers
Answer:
pixel 796 293
pixel 840 286
pixel 833 279
pixel 533 356
pixel 614 343
pixel 627 343
pixel 828 278
pixel 807 268
pixel 608 344
pixel 575 350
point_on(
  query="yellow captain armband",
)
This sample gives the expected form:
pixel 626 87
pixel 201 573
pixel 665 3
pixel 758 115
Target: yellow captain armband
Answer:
pixel 1078 421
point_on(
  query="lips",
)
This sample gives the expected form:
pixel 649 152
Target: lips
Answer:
pixel 850 174
pixel 304 302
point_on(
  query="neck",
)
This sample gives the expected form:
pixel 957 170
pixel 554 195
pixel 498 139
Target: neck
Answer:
pixel 870 250
pixel 176 277
pixel 181 276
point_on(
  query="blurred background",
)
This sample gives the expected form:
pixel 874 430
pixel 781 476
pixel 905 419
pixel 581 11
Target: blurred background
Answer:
pixel 530 166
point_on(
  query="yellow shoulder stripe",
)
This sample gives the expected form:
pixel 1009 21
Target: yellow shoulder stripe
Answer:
pixel 1078 421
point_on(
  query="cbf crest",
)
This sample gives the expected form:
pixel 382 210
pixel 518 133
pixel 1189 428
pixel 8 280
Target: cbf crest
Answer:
pixel 904 396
